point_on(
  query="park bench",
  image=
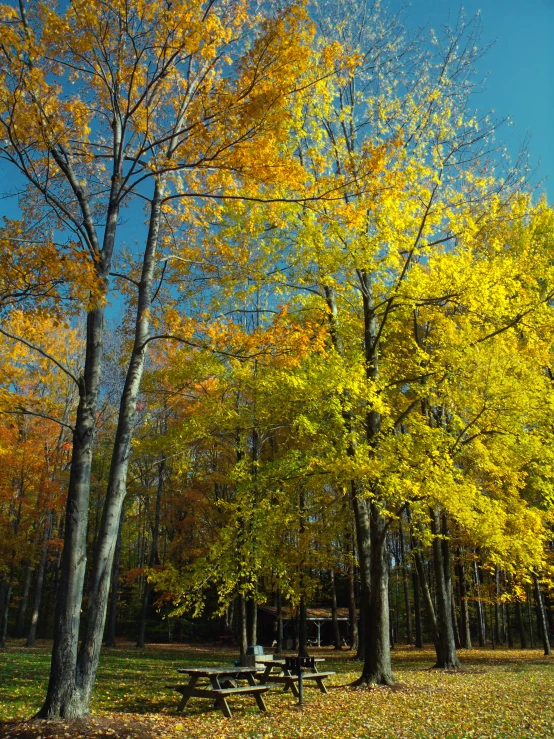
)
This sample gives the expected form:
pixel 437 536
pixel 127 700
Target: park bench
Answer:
pixel 220 695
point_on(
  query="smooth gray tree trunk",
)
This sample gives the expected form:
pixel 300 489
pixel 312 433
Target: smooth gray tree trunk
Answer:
pixel 89 652
pixel 114 589
pixel 543 625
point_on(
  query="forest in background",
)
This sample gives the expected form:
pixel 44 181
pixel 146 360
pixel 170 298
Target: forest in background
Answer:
pixel 275 328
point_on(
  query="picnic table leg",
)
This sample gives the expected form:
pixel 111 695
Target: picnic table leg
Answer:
pixel 224 706
pixel 216 685
pixel 260 701
pixel 185 699
pixel 291 685
pixel 321 685
pixel 267 672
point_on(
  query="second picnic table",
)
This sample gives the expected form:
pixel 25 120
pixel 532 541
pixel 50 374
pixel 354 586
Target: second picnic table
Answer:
pixel 290 680
pixel 218 677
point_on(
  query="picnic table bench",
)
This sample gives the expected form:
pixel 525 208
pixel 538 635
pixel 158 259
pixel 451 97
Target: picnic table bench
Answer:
pixel 289 680
pixel 222 685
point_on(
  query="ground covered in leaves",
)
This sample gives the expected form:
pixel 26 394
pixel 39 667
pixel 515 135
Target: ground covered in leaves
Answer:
pixel 500 694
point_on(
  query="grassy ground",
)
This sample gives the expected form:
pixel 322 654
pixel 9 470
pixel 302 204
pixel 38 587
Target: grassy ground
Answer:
pixel 501 694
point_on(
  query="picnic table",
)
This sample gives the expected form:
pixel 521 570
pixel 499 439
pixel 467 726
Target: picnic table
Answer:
pixel 222 684
pixel 290 680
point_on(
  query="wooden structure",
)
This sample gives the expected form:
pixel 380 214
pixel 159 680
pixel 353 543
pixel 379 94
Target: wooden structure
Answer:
pixel 277 672
pixel 222 685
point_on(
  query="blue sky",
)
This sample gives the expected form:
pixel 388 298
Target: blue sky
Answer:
pixel 519 68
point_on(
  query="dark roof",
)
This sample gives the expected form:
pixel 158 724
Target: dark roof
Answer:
pixel 312 613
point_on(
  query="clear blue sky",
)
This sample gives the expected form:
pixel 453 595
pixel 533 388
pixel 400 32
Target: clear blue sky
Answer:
pixel 520 67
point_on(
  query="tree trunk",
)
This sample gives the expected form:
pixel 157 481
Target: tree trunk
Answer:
pixel 521 626
pixel 497 631
pixel 302 628
pixel 22 610
pixel 63 697
pixel 457 640
pixel 543 626
pixel 353 616
pixel 465 636
pixel 336 630
pixel 530 617
pixel 5 595
pixel 407 604
pixel 243 636
pixel 480 610
pixel 114 590
pixel 89 652
pixel 363 540
pixel 377 668
pixel 448 659
pixel 417 611
pixel 509 632
pixel 279 623
pixel 253 607
pixel 154 558
pixel 39 582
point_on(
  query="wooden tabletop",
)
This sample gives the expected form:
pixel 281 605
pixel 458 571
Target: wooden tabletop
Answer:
pixel 282 661
pixel 207 671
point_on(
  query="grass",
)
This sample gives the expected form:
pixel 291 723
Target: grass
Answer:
pixel 505 694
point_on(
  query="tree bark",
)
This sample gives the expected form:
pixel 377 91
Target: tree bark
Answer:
pixel 521 626
pixel 543 626
pixel 63 697
pixel 509 632
pixel 253 607
pixel 363 540
pixel 114 590
pixel 353 616
pixel 336 630
pixel 89 652
pixel 5 595
pixel 447 659
pixel 39 583
pixel 480 611
pixel 279 623
pixel 417 611
pixel 243 636
pixel 154 558
pixel 22 609
pixel 302 627
pixel 465 636
pixel 530 617
pixel 407 604
pixel 377 668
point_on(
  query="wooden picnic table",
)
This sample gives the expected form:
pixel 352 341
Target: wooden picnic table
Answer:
pixel 290 680
pixel 222 685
